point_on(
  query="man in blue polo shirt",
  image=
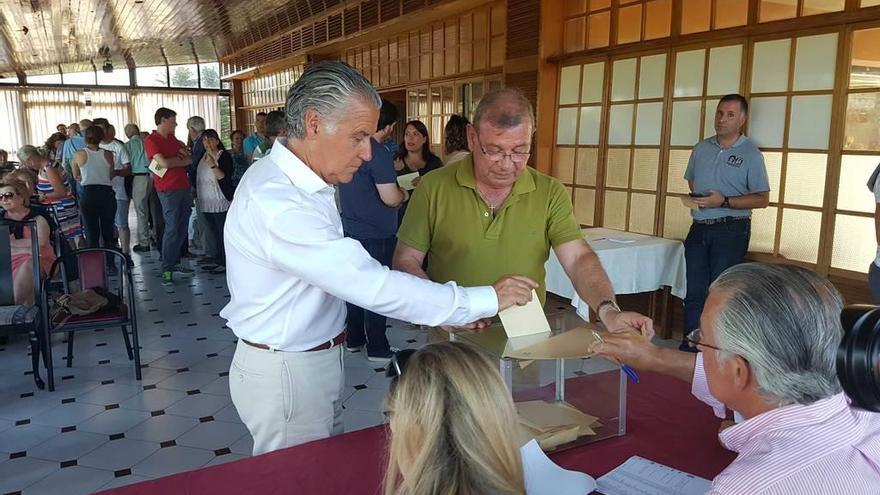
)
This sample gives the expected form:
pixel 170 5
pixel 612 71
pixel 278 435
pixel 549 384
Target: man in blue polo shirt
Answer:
pixel 728 178
pixel 258 139
pixel 369 214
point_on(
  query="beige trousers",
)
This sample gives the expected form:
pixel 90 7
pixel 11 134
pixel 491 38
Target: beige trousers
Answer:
pixel 287 398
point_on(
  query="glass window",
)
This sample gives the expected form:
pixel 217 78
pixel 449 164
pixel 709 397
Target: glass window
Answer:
pixel 44 79
pixel 10 79
pixel 119 77
pixel 152 76
pixel 184 76
pixel 210 73
pixel 87 78
pixel 865 72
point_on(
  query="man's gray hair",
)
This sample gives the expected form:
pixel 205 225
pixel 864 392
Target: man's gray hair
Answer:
pixel 504 108
pixel 195 123
pixel 131 130
pixel 785 321
pixel 327 88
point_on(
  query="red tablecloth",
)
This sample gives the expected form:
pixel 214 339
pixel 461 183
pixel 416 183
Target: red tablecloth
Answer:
pixel 664 423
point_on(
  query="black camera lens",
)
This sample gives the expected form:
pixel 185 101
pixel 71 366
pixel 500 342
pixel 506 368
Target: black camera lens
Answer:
pixel 858 357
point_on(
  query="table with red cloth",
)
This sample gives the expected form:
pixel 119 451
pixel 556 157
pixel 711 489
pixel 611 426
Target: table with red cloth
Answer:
pixel 665 423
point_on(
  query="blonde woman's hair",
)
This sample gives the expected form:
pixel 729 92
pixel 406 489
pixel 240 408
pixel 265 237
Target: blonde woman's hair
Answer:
pixel 453 426
pixel 20 188
pixel 24 175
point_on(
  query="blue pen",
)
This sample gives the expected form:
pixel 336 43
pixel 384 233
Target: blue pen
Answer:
pixel 631 373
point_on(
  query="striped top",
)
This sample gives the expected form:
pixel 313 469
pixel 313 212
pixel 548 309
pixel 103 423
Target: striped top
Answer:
pixel 827 447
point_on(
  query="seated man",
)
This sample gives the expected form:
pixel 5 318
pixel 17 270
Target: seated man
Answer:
pixel 768 340
pixel 490 214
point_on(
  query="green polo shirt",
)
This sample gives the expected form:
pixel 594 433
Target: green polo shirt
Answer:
pixel 449 220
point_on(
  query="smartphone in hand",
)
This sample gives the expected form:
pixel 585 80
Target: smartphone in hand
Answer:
pixel 698 195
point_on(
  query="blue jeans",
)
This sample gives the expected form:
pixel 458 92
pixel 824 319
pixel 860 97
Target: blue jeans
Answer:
pixel 176 208
pixel 708 251
pixel 365 325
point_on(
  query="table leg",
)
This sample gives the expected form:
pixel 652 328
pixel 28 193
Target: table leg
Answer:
pixel 560 379
pixel 666 315
pixel 506 368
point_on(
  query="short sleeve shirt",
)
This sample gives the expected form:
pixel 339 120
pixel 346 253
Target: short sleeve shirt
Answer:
pixel 175 179
pixel 448 219
pixel 364 215
pixel 877 191
pixel 734 171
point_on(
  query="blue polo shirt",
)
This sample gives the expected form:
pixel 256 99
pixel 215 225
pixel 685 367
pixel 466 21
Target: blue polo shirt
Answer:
pixel 734 171
pixel 71 146
pixel 252 142
pixel 364 215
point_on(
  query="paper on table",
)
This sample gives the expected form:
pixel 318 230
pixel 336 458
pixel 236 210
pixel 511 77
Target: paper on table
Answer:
pixel 546 415
pixel 154 167
pixel 525 320
pixel 639 476
pixel 574 343
pixel 406 181
pixel 544 477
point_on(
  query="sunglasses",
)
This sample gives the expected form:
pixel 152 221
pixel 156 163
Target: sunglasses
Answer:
pixel 8 196
pixel 398 363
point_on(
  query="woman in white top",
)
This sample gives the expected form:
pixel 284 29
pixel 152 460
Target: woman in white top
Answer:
pixel 214 189
pixel 456 144
pixel 93 169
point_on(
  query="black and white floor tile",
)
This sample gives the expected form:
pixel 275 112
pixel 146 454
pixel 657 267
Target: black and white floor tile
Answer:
pixel 101 428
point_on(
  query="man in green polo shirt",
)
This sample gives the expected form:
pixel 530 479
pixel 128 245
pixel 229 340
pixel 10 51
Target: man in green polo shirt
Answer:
pixel 489 215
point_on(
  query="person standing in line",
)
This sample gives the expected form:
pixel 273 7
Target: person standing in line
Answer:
pixel 290 269
pixel 173 189
pixel 93 169
pixel 258 138
pixel 141 188
pixel 369 215
pixel 122 165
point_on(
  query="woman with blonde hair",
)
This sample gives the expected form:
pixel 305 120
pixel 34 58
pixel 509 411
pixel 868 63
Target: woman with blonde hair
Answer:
pixel 52 190
pixel 454 428
pixel 15 204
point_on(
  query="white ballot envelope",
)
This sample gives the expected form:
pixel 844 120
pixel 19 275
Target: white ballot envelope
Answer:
pixel 525 320
pixel 544 477
pixel 406 181
pixel 154 167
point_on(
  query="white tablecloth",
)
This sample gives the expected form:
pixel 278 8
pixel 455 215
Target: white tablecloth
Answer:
pixel 644 265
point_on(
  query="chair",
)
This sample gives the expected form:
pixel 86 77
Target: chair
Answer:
pixel 92 266
pixel 17 318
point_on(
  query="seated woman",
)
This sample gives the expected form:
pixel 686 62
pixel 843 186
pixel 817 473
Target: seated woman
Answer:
pixel 15 201
pixel 454 428
pixel 52 190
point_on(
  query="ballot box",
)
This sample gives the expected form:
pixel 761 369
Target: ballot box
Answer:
pixel 564 396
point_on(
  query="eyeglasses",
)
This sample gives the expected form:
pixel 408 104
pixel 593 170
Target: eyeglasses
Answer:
pixel 497 156
pixel 398 363
pixel 8 196
pixel 696 338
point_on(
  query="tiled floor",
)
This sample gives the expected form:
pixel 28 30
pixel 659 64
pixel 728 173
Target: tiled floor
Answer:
pixel 101 428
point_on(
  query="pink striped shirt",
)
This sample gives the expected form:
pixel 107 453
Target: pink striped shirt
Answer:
pixel 826 447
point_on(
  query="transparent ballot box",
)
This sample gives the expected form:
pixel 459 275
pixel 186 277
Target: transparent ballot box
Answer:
pixel 562 402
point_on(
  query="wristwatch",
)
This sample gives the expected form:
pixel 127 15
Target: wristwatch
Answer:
pixel 608 303
pixel 726 202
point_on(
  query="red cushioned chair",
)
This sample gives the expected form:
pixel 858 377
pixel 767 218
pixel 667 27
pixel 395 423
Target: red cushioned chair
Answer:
pixel 93 266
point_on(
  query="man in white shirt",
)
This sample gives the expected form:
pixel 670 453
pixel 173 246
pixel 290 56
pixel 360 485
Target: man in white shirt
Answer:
pixel 121 161
pixel 290 269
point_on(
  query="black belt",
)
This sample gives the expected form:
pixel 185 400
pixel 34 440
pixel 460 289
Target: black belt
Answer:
pixel 144 173
pixel 712 221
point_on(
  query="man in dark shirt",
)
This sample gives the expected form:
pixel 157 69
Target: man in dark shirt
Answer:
pixel 369 214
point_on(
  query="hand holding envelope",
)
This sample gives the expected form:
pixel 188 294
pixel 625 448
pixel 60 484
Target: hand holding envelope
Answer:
pixel 408 181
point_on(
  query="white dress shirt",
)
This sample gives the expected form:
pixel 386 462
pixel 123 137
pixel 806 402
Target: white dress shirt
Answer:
pixel 290 270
